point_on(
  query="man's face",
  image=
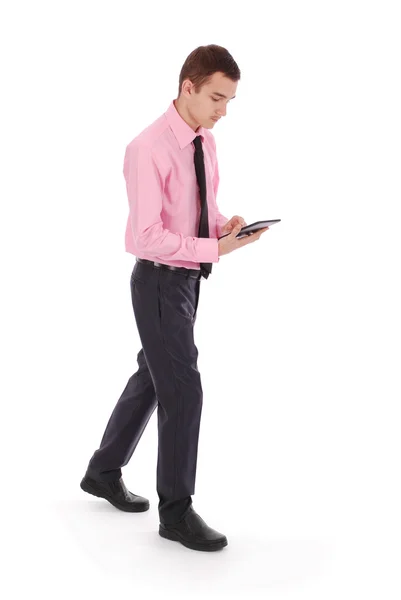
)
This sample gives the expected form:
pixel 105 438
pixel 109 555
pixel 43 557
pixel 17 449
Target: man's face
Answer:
pixel 211 102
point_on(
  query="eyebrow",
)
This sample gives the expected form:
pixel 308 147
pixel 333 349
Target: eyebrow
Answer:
pixel 222 95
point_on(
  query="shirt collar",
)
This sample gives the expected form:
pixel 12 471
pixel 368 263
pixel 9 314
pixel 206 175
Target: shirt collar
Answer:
pixel 182 131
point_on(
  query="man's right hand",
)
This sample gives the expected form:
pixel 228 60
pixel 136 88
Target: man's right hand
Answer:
pixel 229 242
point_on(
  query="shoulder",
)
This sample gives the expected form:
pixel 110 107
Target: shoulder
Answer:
pixel 151 139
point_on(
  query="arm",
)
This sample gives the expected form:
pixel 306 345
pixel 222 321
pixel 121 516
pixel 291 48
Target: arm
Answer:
pixel 220 219
pixel 145 191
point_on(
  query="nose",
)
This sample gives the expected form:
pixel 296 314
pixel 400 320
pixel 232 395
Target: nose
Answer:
pixel 222 112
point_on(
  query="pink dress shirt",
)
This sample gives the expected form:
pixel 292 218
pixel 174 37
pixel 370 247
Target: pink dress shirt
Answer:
pixel 163 194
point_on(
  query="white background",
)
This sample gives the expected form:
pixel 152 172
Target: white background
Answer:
pixel 298 334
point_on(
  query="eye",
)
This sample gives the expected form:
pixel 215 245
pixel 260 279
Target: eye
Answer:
pixel 215 99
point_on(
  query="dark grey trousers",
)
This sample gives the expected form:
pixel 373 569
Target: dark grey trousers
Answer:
pixel 165 304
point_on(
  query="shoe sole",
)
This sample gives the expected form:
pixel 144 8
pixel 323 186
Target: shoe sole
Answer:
pixel 133 508
pixel 211 547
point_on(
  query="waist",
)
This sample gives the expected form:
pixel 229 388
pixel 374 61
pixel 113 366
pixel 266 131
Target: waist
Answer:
pixel 192 273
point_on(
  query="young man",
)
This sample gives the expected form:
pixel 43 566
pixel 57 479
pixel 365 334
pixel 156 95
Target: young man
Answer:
pixel 173 227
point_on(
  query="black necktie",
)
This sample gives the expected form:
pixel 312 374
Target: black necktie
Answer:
pixel 206 268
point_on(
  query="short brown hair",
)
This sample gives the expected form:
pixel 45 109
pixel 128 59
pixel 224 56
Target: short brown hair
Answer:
pixel 200 65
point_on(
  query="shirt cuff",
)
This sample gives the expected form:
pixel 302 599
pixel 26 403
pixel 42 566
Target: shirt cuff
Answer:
pixel 208 250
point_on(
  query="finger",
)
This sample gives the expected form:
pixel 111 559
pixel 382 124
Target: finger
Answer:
pixel 247 239
pixel 262 231
pixel 259 233
pixel 253 237
pixel 239 220
pixel 235 230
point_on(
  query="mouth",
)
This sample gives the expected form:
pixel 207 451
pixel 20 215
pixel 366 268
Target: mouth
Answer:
pixel 215 119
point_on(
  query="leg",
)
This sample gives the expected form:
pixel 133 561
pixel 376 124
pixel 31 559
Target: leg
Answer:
pixel 126 425
pixel 165 305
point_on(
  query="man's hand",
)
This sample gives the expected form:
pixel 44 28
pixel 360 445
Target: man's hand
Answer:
pixel 229 226
pixel 230 242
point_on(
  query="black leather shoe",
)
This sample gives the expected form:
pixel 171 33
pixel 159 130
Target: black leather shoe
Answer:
pixel 193 533
pixel 116 493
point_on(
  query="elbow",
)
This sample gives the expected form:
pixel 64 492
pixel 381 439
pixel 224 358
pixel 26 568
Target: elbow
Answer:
pixel 140 242
pixel 145 239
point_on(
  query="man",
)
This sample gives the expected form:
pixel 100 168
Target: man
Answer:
pixel 173 227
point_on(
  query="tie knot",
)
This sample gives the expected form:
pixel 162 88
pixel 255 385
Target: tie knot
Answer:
pixel 198 142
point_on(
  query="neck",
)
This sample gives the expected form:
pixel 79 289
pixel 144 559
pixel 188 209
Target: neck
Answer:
pixel 183 112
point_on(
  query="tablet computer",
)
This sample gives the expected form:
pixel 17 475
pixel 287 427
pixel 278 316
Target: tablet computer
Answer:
pixel 248 229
